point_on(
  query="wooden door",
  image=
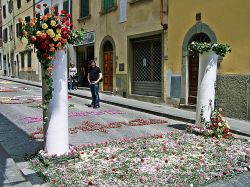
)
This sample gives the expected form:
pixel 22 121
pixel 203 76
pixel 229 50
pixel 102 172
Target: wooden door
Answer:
pixel 108 71
pixel 193 79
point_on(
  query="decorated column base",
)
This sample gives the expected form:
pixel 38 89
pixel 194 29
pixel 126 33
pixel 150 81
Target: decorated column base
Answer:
pixel 57 141
pixel 206 86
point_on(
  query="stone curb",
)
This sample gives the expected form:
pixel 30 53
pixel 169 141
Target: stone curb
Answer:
pixel 173 117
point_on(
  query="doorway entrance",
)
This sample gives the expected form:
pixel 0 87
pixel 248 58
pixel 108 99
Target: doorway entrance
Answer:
pixel 108 66
pixel 193 68
pixel 84 55
pixel 147 66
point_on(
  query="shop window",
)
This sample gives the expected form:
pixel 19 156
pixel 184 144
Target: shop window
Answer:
pixel 84 5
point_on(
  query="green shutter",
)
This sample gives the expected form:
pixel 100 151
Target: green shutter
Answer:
pixel 66 6
pixel 108 4
pixel 84 8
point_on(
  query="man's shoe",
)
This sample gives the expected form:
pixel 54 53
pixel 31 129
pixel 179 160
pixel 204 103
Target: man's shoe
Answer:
pixel 96 107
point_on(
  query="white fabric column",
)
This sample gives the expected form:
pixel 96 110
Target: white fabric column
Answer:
pixel 57 140
pixel 206 85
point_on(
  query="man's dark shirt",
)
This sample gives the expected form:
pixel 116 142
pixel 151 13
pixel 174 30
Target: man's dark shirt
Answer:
pixel 94 73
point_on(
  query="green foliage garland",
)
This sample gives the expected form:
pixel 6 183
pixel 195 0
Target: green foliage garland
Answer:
pixel 199 48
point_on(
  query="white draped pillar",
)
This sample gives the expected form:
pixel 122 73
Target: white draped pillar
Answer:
pixel 57 140
pixel 206 85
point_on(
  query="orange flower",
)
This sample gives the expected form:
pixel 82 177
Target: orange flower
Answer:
pixel 52 8
pixel 51 45
pixel 56 18
pixel 25 33
pixel 34 20
pixel 52 49
pixel 44 18
pixel 48 15
pixel 44 35
pixel 32 24
pixel 59 44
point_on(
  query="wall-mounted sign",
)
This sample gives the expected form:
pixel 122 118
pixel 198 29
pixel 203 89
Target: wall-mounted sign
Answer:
pixel 88 38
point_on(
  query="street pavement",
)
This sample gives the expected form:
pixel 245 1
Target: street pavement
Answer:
pixel 18 121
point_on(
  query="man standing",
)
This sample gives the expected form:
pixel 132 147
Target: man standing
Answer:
pixel 94 77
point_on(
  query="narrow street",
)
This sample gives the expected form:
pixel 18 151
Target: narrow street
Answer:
pixel 21 123
pixel 21 108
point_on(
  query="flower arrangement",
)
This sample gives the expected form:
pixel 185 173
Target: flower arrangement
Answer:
pixel 48 34
pixel 218 126
pixel 199 48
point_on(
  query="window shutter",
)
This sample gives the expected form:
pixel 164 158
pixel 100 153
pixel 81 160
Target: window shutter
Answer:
pixel 108 4
pixel 84 8
pixel 66 6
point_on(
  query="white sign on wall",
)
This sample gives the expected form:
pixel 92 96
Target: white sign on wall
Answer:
pixel 123 11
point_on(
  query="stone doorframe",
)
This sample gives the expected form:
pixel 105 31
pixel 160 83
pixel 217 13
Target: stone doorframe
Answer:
pixel 111 40
pixel 196 29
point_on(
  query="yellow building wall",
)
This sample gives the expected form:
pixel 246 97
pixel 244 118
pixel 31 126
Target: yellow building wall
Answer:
pixel 142 17
pixel 229 19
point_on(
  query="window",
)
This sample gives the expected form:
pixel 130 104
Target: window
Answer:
pixel 56 8
pixel 22 60
pixel 108 5
pixel 11 32
pixel 1 34
pixel 4 11
pixel 29 58
pixel 66 6
pixel 5 35
pixel 19 4
pixel 84 8
pixel 19 31
pixel 10 6
pixel 46 10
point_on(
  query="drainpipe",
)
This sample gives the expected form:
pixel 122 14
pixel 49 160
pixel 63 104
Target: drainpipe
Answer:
pixel 162 12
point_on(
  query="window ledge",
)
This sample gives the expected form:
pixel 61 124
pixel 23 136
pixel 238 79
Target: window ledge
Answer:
pixel 84 18
pixel 102 12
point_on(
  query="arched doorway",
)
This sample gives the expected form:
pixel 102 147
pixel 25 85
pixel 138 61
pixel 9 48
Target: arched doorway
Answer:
pixel 193 68
pixel 199 32
pixel 108 66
